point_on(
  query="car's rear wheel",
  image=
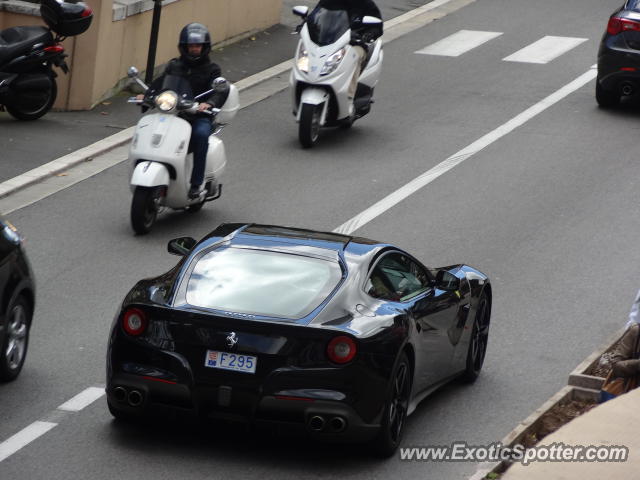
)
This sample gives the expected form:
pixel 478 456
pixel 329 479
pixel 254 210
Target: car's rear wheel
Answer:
pixel 121 415
pixel 606 98
pixel 478 341
pixel 16 339
pixel 395 410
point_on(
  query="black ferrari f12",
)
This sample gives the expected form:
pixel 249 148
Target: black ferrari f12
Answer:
pixel 337 334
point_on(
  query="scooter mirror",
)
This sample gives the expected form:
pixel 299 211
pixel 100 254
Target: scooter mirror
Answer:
pixel 301 11
pixel 219 84
pixel 132 72
pixel 369 20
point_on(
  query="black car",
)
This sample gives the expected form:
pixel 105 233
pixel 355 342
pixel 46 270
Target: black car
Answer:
pixel 619 56
pixel 17 297
pixel 340 335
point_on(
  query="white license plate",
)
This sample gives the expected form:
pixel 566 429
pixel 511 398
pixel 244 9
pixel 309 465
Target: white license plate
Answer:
pixel 230 361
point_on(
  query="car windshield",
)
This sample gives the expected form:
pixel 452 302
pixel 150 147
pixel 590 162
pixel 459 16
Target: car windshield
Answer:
pixel 326 26
pixel 259 282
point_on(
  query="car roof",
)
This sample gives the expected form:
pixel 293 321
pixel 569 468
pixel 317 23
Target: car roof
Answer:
pixel 294 240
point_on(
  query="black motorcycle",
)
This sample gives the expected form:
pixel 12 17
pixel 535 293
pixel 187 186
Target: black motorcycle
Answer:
pixel 28 87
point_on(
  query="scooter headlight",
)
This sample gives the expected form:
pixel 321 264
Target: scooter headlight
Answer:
pixel 332 62
pixel 167 101
pixel 302 60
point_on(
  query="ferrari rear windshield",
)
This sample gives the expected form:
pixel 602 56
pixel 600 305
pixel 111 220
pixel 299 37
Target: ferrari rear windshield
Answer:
pixel 260 282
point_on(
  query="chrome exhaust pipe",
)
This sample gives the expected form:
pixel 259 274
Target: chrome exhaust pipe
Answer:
pixel 337 424
pixel 627 89
pixel 134 398
pixel 316 423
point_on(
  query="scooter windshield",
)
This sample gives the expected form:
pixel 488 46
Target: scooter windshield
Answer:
pixel 178 84
pixel 326 26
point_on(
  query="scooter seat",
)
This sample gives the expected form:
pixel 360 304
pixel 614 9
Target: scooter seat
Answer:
pixel 16 41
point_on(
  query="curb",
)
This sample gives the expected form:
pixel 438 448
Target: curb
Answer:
pixel 395 28
pixel 580 386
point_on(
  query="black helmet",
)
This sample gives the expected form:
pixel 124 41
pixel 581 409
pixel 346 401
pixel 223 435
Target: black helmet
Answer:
pixel 194 33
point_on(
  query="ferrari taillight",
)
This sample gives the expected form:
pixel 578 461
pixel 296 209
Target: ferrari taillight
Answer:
pixel 341 349
pixel 617 25
pixel 134 321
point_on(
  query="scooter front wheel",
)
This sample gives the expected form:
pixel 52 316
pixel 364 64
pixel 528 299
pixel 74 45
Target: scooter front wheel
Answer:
pixel 144 208
pixel 309 128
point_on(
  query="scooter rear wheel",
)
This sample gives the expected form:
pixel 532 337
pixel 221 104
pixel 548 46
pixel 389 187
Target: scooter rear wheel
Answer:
pixel 144 209
pixel 31 105
pixel 309 128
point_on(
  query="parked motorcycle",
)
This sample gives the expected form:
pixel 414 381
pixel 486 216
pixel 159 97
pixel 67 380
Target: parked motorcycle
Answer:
pixel 28 86
pixel 324 66
pixel 160 161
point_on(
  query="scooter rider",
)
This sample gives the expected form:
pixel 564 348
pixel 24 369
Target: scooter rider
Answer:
pixel 357 10
pixel 194 65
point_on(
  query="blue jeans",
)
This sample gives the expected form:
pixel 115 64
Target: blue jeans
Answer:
pixel 201 129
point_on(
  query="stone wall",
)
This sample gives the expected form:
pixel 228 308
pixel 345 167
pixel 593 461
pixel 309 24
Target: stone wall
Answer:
pixel 119 37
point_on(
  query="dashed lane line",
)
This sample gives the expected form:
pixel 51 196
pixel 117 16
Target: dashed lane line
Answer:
pixel 457 158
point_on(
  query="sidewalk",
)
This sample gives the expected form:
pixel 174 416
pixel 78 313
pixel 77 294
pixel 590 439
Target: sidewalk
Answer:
pixel 613 423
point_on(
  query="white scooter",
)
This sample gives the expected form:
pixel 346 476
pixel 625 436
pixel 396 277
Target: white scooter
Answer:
pixel 324 66
pixel 160 162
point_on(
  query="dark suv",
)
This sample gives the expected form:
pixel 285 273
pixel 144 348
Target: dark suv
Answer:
pixel 17 301
pixel 619 56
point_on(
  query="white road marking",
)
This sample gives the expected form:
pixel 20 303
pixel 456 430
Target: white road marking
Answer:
pixel 24 437
pixel 457 158
pixel 82 400
pixel 545 49
pixel 458 43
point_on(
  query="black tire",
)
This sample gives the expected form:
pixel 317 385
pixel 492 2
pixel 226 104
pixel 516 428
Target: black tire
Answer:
pixel 478 341
pixel 309 128
pixel 195 208
pixel 144 209
pixel 121 415
pixel 394 415
pixel 606 98
pixel 347 123
pixel 15 341
pixel 43 103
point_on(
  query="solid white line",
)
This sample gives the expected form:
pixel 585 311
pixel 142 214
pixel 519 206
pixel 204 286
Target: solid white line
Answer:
pixel 83 399
pixel 23 438
pixel 456 159
pixel 458 43
pixel 545 49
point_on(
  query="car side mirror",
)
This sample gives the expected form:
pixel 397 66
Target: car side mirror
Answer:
pixel 181 246
pixel 301 11
pixel 133 72
pixel 369 20
pixel 447 281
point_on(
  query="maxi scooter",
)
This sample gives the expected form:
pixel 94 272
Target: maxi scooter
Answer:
pixel 160 161
pixel 324 66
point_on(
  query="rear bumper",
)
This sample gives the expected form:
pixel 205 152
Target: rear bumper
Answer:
pixel 318 415
pixel 617 66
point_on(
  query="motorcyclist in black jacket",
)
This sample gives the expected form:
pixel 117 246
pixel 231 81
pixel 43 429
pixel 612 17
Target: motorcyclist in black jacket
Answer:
pixel 195 66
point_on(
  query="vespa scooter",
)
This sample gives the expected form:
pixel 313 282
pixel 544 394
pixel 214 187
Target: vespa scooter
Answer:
pixel 160 161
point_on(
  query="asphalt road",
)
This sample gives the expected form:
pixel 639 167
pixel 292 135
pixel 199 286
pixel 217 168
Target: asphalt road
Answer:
pixel 547 211
pixel 31 144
